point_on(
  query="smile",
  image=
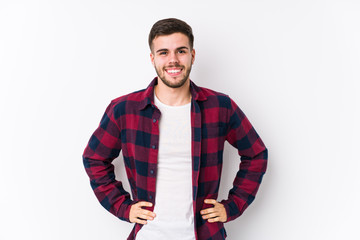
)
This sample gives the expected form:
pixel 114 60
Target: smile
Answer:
pixel 174 71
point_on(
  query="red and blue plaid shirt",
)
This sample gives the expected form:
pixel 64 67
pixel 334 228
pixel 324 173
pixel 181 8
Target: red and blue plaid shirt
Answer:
pixel 131 125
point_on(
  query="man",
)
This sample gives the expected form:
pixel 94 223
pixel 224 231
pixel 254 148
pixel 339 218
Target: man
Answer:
pixel 172 136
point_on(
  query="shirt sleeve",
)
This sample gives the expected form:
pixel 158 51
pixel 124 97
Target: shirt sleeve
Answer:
pixel 103 147
pixel 253 153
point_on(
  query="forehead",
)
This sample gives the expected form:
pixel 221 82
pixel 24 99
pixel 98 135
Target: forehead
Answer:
pixel 172 41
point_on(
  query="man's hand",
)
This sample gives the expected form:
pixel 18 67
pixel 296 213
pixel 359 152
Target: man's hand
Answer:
pixel 214 214
pixel 140 215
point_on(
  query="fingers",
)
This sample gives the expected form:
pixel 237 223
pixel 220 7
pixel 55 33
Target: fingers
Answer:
pixel 207 212
pixel 144 204
pixel 217 219
pixel 210 215
pixel 140 215
pixel 210 201
pixel 214 214
pixel 139 221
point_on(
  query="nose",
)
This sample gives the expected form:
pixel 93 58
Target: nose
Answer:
pixel 173 58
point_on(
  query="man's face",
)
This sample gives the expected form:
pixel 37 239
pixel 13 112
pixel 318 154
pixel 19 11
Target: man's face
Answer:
pixel 172 58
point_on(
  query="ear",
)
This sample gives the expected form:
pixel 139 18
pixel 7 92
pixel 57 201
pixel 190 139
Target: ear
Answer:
pixel 152 58
pixel 192 56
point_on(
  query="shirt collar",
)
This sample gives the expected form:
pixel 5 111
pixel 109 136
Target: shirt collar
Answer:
pixel 148 95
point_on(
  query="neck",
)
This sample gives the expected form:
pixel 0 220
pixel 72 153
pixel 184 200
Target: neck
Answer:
pixel 173 96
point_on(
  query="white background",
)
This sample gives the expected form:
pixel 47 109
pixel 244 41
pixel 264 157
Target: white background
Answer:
pixel 292 66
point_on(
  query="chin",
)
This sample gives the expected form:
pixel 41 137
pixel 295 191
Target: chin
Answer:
pixel 174 84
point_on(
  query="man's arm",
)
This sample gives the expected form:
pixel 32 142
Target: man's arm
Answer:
pixel 103 147
pixel 253 152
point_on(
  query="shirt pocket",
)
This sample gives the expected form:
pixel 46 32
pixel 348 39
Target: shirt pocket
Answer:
pixel 213 130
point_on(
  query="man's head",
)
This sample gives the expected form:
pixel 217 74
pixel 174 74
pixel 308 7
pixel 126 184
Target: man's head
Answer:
pixel 172 53
pixel 169 26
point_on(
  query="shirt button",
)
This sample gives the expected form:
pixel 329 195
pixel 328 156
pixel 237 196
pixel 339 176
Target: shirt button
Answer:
pixel 153 146
pixel 154 120
pixel 151 171
pixel 150 197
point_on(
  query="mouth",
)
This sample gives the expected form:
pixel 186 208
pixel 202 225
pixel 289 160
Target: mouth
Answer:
pixel 173 71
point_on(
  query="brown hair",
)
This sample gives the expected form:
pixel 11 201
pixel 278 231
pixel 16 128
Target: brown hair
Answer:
pixel 169 26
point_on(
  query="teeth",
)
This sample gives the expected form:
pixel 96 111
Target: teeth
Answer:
pixel 173 71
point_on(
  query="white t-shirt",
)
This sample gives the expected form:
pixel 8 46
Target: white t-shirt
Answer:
pixel 173 202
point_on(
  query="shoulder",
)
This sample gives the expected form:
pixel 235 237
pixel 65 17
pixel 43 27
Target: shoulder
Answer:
pixel 216 98
pixel 136 96
pixel 127 103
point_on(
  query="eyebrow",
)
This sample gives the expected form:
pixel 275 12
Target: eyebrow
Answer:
pixel 164 49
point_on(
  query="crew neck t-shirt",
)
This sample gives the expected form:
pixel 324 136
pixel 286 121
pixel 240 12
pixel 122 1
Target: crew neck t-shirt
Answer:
pixel 173 201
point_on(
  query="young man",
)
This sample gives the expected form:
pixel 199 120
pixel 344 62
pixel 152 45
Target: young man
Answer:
pixel 172 136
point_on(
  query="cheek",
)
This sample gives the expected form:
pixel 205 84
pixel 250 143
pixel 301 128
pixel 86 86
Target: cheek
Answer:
pixel 156 62
pixel 191 59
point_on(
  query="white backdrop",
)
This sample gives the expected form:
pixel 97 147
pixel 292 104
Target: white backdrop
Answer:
pixel 292 66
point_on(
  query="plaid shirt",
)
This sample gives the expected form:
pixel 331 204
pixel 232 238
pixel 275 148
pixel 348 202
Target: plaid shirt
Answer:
pixel 131 124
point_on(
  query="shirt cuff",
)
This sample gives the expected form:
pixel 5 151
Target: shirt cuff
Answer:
pixel 232 210
pixel 124 210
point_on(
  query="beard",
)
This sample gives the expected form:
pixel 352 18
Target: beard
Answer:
pixel 173 84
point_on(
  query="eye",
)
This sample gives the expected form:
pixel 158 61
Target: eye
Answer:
pixel 162 53
pixel 182 51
